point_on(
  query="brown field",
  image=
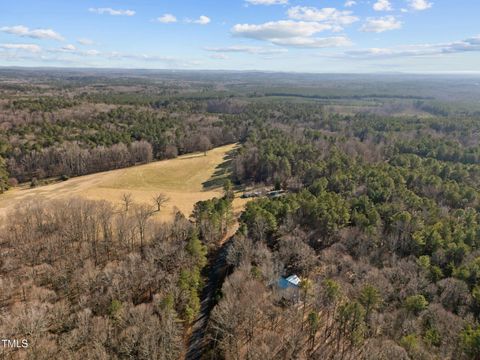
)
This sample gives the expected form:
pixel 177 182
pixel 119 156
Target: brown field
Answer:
pixel 185 180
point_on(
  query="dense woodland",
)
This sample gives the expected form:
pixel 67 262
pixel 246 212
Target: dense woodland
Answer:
pixel 99 282
pixel 384 235
pixel 380 218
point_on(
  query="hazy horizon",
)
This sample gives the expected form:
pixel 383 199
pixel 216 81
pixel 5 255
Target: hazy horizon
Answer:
pixel 133 69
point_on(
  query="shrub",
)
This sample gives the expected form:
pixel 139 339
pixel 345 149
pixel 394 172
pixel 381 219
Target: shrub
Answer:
pixel 416 304
pixel 470 341
pixel 34 182
pixel 12 182
pixel 409 342
pixel 433 337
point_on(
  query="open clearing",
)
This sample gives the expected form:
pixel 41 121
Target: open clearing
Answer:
pixel 185 180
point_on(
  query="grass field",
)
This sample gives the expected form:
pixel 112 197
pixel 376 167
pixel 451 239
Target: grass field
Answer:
pixel 185 180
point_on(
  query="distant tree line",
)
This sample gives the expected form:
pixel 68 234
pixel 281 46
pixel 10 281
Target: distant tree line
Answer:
pixel 120 137
pixel 72 160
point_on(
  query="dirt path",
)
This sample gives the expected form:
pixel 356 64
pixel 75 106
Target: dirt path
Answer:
pixel 215 272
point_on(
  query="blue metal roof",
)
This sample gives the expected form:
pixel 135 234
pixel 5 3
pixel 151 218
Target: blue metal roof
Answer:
pixel 292 281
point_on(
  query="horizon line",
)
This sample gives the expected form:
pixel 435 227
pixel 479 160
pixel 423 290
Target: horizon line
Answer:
pixel 26 67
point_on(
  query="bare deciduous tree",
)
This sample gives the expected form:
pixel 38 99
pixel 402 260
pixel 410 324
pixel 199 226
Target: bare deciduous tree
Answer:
pixel 127 200
pixel 204 144
pixel 142 214
pixel 160 200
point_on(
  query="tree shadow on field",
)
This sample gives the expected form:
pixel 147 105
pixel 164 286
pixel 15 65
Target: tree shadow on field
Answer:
pixel 222 172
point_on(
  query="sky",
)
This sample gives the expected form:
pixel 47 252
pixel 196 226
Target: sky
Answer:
pixel 320 36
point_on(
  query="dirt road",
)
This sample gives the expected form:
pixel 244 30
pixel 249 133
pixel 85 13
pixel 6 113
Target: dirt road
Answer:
pixel 215 273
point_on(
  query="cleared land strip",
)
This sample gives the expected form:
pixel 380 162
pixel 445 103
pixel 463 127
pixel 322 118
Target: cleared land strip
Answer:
pixel 182 179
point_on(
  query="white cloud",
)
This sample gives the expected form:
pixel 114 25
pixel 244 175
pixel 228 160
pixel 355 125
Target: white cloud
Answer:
pixel 25 47
pixel 350 3
pixel 267 2
pixel 73 51
pixel 391 52
pixel 279 29
pixel 290 33
pixel 202 20
pixel 84 41
pixel 420 5
pixel 113 12
pixel 248 49
pixel 314 42
pixel 467 45
pixel 91 52
pixel 383 5
pixel 219 56
pixel 381 24
pixel 152 59
pixel 337 18
pixel 167 19
pixel 24 31
pixel 69 47
pixel 90 58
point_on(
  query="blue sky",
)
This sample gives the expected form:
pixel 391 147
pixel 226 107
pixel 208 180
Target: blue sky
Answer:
pixel 279 35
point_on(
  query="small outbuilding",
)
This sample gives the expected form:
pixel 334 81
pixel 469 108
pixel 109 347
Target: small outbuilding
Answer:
pixel 293 281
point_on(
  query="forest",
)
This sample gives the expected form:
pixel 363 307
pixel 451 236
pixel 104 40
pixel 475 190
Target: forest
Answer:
pixel 377 215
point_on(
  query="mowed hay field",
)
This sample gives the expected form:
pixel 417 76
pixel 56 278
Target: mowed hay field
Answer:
pixel 185 180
